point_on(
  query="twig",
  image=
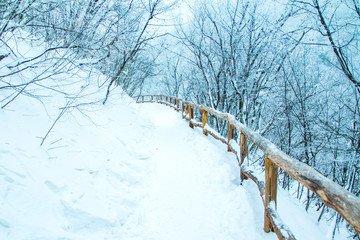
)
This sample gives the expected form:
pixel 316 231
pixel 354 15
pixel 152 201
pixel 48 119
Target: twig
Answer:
pixel 57 119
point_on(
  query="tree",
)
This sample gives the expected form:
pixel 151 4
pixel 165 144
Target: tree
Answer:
pixel 137 43
pixel 232 53
pixel 112 37
pixel 332 37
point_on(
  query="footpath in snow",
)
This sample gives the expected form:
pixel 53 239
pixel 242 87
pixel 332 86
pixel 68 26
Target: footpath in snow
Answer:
pixel 123 171
pixel 194 190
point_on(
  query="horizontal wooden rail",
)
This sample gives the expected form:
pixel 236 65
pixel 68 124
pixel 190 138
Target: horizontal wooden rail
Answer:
pixel 331 193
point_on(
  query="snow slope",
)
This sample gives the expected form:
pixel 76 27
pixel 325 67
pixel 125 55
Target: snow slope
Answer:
pixel 119 171
pixel 124 171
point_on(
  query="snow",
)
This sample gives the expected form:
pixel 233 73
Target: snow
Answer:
pixel 123 171
pixel 190 187
pixel 126 171
pixel 302 224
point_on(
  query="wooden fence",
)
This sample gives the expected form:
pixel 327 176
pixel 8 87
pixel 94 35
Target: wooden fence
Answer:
pixel 332 194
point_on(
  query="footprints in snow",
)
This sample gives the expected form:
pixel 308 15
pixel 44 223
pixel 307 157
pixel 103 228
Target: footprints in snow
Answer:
pixel 85 208
pixel 82 220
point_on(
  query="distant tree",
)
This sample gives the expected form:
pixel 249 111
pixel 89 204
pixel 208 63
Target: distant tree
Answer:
pixel 136 42
pixel 233 56
pixel 173 77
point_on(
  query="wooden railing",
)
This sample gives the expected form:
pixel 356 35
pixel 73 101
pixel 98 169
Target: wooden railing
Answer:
pixel 332 194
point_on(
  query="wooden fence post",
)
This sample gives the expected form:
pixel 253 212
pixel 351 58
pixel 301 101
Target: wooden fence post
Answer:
pixel 191 115
pixel 230 135
pixel 204 121
pixel 243 148
pixel 152 98
pixel 182 110
pixel 177 104
pixel 142 98
pixel 271 175
pixel 243 153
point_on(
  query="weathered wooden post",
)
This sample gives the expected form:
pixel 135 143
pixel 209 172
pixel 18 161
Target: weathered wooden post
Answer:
pixel 243 153
pixel 152 98
pixel 182 110
pixel 142 98
pixel 204 121
pixel 191 115
pixel 243 148
pixel 177 104
pixel 230 135
pixel 271 176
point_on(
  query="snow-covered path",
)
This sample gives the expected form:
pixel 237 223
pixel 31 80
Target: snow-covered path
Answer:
pixel 194 186
pixel 125 171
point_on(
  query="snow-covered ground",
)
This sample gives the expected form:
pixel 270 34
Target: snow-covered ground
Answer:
pixel 125 171
pixel 116 171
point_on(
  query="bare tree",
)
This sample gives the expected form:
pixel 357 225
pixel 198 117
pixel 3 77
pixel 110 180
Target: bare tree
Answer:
pixel 137 43
pixel 112 37
pixel 337 22
pixel 232 54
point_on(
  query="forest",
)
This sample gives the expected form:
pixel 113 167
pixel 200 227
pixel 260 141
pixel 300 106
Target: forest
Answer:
pixel 288 69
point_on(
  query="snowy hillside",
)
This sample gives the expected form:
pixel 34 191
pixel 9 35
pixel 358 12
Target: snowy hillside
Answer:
pixel 79 159
pixel 129 173
pixel 116 171
pixel 125 171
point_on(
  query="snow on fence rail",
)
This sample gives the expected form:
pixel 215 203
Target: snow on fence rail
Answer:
pixel 332 194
